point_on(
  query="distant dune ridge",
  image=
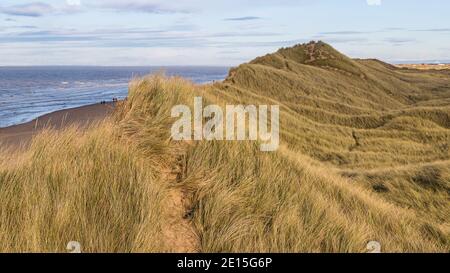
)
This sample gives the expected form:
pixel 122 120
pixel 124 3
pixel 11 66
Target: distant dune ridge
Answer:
pixel 364 156
pixel 425 66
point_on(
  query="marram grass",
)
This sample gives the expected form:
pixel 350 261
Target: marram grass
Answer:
pixel 364 156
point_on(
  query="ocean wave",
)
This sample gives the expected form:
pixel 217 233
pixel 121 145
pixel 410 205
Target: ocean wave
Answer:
pixel 27 93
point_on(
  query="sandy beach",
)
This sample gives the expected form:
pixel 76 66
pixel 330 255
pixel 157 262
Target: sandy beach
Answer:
pixel 21 134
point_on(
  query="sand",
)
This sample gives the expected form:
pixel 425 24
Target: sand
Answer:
pixel 21 135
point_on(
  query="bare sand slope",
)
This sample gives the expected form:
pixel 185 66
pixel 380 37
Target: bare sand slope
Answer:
pixel 21 135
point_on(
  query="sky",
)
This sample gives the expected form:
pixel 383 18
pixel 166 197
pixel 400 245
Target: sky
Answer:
pixel 216 32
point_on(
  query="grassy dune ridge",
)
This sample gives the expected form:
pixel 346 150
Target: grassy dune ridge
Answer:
pixel 364 156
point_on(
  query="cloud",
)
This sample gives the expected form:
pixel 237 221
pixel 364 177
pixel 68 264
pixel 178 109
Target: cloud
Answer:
pixel 354 32
pixel 35 9
pixel 186 6
pixel 73 2
pixel 246 18
pixel 344 40
pixel 393 29
pixel 173 36
pixel 27 27
pixel 373 2
pixel 345 32
pixel 39 9
pixel 141 6
pixel 435 30
pixel 399 41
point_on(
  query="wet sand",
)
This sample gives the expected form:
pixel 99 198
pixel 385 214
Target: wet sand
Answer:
pixel 20 135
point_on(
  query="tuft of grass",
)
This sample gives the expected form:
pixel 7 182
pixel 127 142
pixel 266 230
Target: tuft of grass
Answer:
pixel 80 186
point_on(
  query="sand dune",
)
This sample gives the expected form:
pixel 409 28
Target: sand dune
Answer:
pixel 364 156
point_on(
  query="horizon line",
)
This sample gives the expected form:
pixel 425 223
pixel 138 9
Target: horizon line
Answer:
pixel 394 62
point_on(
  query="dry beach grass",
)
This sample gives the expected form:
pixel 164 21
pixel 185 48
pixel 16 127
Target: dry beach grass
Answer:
pixel 364 156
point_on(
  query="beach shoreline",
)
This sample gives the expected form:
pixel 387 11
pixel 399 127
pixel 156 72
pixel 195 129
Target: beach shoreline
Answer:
pixel 20 135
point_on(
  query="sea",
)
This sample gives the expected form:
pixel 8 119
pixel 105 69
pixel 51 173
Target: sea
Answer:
pixel 29 92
